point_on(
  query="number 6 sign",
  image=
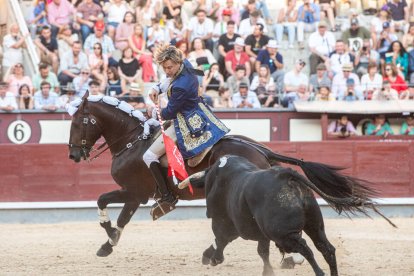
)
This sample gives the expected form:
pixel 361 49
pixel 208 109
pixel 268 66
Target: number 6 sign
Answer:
pixel 19 132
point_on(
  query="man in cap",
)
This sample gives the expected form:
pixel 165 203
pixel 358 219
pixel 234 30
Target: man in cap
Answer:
pixel 321 43
pixel 245 98
pixel 308 19
pixel 271 57
pixel 69 96
pixel 235 11
pixel 99 37
pixel 237 57
pixel 386 38
pixel 221 26
pixel 134 97
pixel 355 35
pixel 339 83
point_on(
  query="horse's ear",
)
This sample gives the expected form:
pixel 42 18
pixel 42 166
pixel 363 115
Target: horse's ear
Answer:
pixel 85 97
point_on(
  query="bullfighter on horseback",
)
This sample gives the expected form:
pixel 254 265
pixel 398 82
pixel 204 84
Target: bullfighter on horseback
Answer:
pixel 196 129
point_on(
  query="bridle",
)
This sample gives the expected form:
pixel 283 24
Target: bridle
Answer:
pixel 87 148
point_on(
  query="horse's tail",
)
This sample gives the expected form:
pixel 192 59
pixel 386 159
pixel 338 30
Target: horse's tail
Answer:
pixel 341 192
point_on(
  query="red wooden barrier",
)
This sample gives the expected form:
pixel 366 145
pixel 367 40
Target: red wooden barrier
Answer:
pixel 35 172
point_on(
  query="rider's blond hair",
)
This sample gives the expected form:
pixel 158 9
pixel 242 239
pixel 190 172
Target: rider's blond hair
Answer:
pixel 166 52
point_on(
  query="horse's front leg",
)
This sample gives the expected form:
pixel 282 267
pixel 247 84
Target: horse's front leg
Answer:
pixel 114 233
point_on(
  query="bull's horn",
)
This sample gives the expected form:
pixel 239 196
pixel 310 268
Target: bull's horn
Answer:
pixel 186 182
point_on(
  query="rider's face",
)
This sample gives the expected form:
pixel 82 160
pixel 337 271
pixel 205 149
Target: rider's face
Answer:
pixel 170 68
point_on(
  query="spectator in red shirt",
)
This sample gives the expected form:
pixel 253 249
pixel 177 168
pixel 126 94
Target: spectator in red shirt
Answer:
pixel 396 81
pixel 237 57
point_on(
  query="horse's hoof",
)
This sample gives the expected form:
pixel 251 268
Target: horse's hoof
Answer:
pixel 214 261
pixel 205 260
pixel 105 250
pixel 288 263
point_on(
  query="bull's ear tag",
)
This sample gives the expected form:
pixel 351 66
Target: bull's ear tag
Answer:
pixel 223 162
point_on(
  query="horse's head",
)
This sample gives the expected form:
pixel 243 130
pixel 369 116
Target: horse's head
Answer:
pixel 84 132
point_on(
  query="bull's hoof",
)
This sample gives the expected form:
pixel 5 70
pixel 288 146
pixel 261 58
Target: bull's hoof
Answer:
pixel 288 263
pixel 268 271
pixel 205 260
pixel 214 261
pixel 105 250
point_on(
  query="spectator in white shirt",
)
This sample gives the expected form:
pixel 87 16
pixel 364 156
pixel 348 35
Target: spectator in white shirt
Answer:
pixel 386 93
pixel 13 44
pixel 321 44
pixel 245 98
pixel 338 57
pixel 202 27
pixel 296 84
pixel 7 99
pixel 46 99
pixel 247 25
pixel 339 83
pixel 371 81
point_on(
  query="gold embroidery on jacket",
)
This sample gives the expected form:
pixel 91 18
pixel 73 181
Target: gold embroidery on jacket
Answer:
pixel 213 118
pixel 191 143
pixel 195 122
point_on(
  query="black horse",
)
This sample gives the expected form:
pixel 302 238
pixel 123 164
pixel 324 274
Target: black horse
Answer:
pixel 123 134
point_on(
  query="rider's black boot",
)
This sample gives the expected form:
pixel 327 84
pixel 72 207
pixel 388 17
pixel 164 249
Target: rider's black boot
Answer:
pixel 166 195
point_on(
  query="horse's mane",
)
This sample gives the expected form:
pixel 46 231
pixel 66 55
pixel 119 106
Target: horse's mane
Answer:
pixel 73 106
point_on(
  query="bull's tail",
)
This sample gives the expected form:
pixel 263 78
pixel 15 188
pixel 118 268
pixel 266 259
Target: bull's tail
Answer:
pixel 341 192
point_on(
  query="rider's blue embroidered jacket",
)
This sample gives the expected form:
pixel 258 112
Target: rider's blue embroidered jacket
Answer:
pixel 196 127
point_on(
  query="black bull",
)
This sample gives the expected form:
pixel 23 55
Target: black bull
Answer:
pixel 275 204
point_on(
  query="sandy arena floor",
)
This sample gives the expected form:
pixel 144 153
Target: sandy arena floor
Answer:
pixel 364 247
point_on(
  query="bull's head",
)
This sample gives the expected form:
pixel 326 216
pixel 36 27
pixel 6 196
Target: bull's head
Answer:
pixel 84 132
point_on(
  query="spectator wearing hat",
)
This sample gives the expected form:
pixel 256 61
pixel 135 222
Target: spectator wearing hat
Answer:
pixel 45 75
pixel 296 83
pixel 308 19
pixel 71 64
pixel 321 43
pixel 135 97
pixel 371 81
pixel 245 98
pixel 338 57
pixel 236 57
pixel 60 13
pixel 377 22
pixel 68 97
pixel 286 23
pixel 386 38
pixel 355 35
pixel 248 25
pixel 99 37
pixel 221 26
pixel 350 93
pixel 256 42
pixel 319 79
pixel 48 48
pixel 234 81
pixel 340 83
pixel 273 60
pixel 201 27
pixel 7 98
pixel 364 57
pixel 399 14
pixel 45 99
pixel 87 14
pixel 230 7
pixel 386 93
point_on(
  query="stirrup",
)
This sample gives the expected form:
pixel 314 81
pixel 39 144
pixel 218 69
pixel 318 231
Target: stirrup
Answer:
pixel 161 208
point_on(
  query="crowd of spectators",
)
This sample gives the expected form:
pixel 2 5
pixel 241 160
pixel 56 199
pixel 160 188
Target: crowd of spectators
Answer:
pixel 107 47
